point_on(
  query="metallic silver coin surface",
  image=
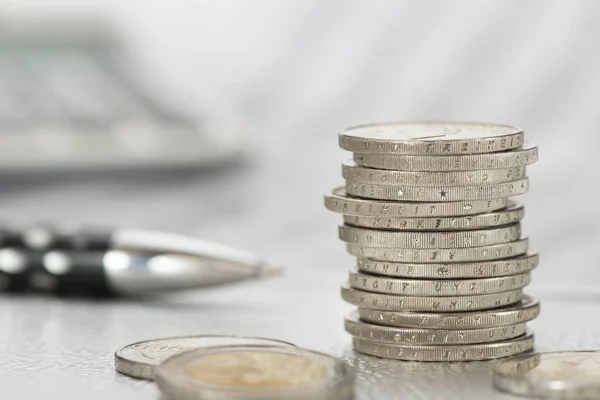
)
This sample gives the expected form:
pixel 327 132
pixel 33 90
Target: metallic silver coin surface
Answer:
pixel 481 269
pixel 521 157
pixel 386 334
pixel 512 214
pixel 468 254
pixel 433 193
pixel 435 138
pixel 555 375
pixel 255 373
pixel 436 288
pixel 472 352
pixel 525 310
pixel 139 360
pixel 429 240
pixel 357 174
pixel 340 203
pixel 378 301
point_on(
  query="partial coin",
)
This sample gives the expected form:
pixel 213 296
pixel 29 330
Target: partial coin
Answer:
pixel 433 193
pixel 357 174
pixel 481 269
pixel 391 302
pixel 139 360
pixel 255 373
pixel 436 288
pixel 339 202
pixel 555 375
pixel 434 138
pixel 394 335
pixel 510 215
pixel 472 352
pixel 525 310
pixel 468 254
pixel 429 240
pixel 521 157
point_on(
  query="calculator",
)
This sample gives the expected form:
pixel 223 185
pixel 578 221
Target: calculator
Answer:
pixel 68 102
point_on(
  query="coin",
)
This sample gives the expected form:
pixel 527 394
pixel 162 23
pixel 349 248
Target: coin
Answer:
pixel 435 138
pixel 468 254
pixel 555 375
pixel 472 352
pixel 429 240
pixel 387 334
pixel 391 302
pixel 513 213
pixel 435 288
pixel 357 174
pixel 139 360
pixel 481 269
pixel 339 202
pixel 509 159
pixel 525 310
pixel 432 193
pixel 255 372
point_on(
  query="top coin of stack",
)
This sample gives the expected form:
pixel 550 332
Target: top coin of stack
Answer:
pixel 427 213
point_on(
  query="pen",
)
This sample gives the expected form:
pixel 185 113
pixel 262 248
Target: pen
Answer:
pixel 120 262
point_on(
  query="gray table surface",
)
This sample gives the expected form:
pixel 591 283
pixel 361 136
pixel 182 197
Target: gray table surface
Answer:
pixel 526 63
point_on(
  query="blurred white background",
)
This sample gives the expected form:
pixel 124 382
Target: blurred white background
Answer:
pixel 299 71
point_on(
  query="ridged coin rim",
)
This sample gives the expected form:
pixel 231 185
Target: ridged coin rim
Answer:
pixel 525 310
pixel 512 137
pixel 473 352
pixel 513 213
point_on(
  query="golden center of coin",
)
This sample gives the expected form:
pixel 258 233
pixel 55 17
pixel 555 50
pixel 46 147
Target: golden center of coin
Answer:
pixel 256 369
pixel 569 367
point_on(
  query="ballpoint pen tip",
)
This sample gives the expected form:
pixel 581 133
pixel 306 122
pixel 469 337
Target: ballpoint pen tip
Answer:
pixel 270 270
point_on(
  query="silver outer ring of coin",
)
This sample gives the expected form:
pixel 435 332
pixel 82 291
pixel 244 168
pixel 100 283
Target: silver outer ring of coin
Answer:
pixel 338 383
pixel 389 302
pixel 356 174
pixel 438 288
pixel 526 155
pixel 511 376
pixel 395 335
pixel 131 361
pixel 482 269
pixel 429 240
pixel 469 254
pixel 526 310
pixel 432 193
pixel 472 352
pixel 340 203
pixel 422 138
pixel 512 214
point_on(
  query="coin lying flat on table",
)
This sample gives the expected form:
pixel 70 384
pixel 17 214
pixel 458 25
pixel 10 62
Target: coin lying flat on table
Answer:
pixel 435 288
pixel 139 360
pixel 253 373
pixel 434 138
pixel 468 254
pixel 378 301
pixel 472 352
pixel 521 157
pixel 394 335
pixel 510 215
pixel 433 193
pixel 429 240
pixel 481 269
pixel 357 174
pixel 523 311
pixel 340 203
pixel 555 375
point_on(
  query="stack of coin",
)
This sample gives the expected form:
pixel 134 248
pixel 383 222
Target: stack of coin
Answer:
pixel 441 262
